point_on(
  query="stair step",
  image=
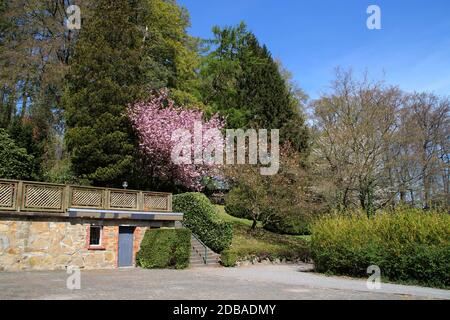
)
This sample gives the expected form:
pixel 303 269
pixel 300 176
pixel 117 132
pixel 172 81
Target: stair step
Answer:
pixel 201 259
pixel 213 265
pixel 204 265
pixel 207 255
pixel 198 252
pixel 201 248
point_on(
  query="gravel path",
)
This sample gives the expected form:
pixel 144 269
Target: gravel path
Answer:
pixel 269 282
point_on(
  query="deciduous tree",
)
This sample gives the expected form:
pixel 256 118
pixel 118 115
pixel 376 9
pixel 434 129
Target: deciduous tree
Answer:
pixel 15 163
pixel 125 49
pixel 155 122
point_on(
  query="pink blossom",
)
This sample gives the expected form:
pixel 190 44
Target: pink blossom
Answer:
pixel 154 122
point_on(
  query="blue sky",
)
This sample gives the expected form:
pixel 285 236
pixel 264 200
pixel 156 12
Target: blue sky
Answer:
pixel 311 38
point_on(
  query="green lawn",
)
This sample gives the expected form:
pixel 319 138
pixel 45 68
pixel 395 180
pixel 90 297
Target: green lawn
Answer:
pixel 235 221
pixel 262 243
pixel 303 237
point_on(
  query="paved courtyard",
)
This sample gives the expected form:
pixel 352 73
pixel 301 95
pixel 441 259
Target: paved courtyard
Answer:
pixel 254 282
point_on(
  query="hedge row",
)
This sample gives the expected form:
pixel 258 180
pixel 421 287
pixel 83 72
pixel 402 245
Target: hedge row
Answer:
pixel 165 248
pixel 407 245
pixel 200 216
pixel 228 258
pixel 285 222
pixel 294 225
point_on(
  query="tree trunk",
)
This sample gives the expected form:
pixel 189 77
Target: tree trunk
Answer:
pixel 413 202
pixel 24 100
pixel 425 177
pixel 255 222
pixel 426 190
pixel 402 196
pixel 345 198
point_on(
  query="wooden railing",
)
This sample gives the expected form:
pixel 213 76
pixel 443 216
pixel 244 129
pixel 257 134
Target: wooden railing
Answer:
pixel 48 197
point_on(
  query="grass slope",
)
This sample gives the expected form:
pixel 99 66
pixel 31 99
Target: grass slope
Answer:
pixel 261 243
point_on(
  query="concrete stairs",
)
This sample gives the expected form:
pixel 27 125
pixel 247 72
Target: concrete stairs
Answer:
pixel 197 258
pixel 198 252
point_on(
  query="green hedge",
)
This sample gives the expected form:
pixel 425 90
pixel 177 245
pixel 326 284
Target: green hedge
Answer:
pixel 165 248
pixel 407 245
pixel 284 220
pixel 228 258
pixel 233 205
pixel 294 225
pixel 200 216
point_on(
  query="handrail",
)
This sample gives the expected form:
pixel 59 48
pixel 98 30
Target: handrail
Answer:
pixel 205 247
pixel 17 195
pixel 205 257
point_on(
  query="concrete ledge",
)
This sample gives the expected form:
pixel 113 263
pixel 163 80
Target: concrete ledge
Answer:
pixel 117 214
pixel 101 214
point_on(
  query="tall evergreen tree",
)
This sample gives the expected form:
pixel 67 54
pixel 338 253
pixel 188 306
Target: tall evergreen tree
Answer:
pixel 125 49
pixel 244 83
pixel 106 73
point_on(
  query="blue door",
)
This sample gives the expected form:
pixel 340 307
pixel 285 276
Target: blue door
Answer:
pixel 126 246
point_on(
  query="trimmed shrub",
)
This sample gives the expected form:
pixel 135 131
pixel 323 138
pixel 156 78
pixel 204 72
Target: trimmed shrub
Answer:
pixel 200 216
pixel 408 245
pixel 165 248
pixel 228 258
pixel 15 162
pixel 234 206
pixel 294 225
pixel 278 215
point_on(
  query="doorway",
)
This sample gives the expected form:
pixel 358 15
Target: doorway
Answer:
pixel 125 258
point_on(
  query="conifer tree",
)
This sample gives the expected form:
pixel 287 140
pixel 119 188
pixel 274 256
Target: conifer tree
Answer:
pixel 126 49
pixel 105 75
pixel 244 83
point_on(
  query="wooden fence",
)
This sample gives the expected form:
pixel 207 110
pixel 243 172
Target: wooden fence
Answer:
pixel 48 197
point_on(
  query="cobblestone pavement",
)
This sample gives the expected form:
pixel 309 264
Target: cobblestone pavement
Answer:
pixel 270 282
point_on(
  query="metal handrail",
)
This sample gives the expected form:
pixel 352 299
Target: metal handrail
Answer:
pixel 205 247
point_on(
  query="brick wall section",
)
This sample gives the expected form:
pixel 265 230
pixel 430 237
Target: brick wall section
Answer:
pixel 137 238
pixel 52 243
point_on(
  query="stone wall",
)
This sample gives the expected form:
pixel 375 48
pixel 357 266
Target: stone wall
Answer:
pixel 55 243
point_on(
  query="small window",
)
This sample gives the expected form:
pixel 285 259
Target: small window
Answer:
pixel 95 235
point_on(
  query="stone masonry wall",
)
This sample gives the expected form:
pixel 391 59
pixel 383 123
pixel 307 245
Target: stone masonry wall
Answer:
pixel 55 243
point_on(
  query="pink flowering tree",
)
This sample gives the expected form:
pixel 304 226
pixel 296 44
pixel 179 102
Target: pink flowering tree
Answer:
pixel 162 126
